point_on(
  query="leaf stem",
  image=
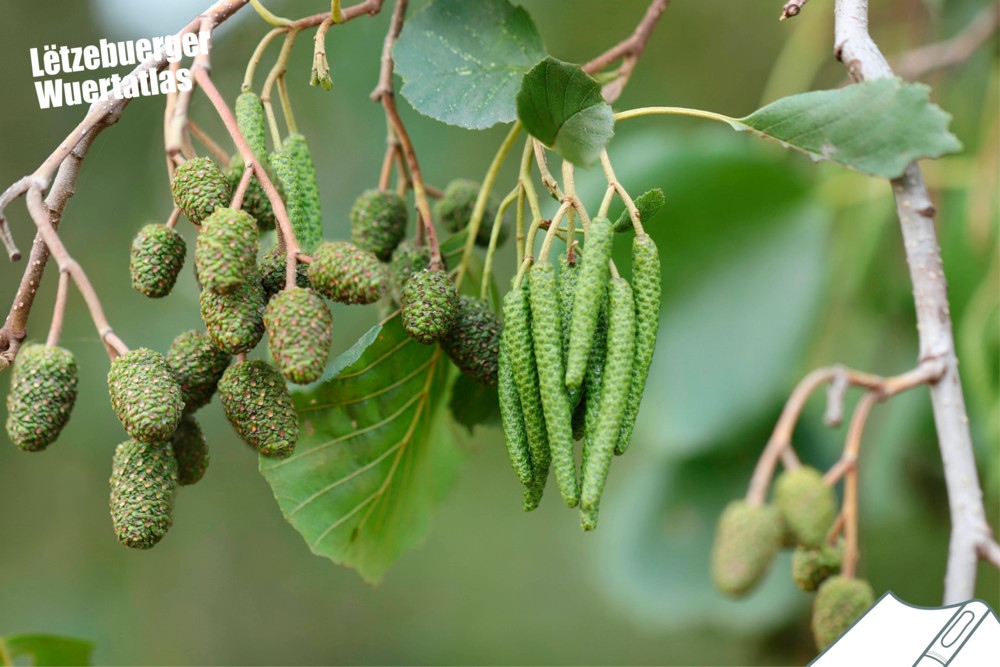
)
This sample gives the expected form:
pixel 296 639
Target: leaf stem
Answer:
pixel 268 15
pixel 483 197
pixel 678 111
pixel 513 196
pixel 613 182
pixel 258 54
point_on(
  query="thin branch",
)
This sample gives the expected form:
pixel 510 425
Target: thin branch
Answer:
pixel 175 215
pixel 989 551
pixel 864 61
pixel 609 174
pixel 241 188
pixel 58 310
pixel 792 8
pixel 850 507
pixel 918 62
pixel 219 154
pixel 781 437
pixel 635 43
pixel 8 242
pixel 41 215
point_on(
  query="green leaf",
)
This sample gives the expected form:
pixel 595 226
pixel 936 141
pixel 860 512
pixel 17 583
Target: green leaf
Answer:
pixel 45 650
pixel 649 204
pixel 473 404
pixel 562 106
pixel 462 62
pixel 876 127
pixel 348 357
pixel 374 456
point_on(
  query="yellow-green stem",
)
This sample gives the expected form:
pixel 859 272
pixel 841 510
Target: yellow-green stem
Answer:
pixel 494 239
pixel 484 193
pixel 268 15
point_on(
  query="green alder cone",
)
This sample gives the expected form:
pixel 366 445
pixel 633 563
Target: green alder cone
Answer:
pixel 226 251
pixel 309 232
pixel 811 567
pixel 156 259
pixel 378 222
pixel 197 363
pixel 547 338
pixel 251 122
pixel 190 451
pixel 614 391
pixel 429 305
pixel 407 260
pixel 807 505
pixel 454 210
pixel 344 273
pixel 43 390
pixel 838 604
pixel 646 285
pixel 592 285
pixel 512 420
pixel 746 540
pixel 143 486
pixel 145 395
pixel 520 347
pixel 235 321
pixel 255 200
pixel 257 403
pixel 473 343
pixel 271 268
pixel 199 187
pixel 299 333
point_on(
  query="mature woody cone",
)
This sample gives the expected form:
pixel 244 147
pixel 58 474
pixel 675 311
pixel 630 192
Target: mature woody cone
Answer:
pixel 838 604
pixel 190 450
pixel 143 484
pixel 807 505
pixel 746 540
pixel 378 222
pixel 430 304
pixel 299 332
pixel 226 252
pixel 198 364
pixel 156 260
pixel 259 407
pixel 145 395
pixel 343 272
pixel 199 187
pixel 43 389
pixel 235 321
pixel 473 343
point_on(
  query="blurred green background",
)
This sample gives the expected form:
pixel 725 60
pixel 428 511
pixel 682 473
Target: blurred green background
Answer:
pixel 771 264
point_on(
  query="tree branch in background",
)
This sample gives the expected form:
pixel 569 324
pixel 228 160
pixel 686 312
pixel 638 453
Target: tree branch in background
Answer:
pixel 918 62
pixel 628 51
pixel 969 530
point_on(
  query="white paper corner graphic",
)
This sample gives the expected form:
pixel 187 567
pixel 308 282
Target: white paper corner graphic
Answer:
pixel 893 633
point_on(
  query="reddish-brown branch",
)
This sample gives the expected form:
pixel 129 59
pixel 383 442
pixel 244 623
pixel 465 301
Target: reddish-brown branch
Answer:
pixel 41 214
pixel 175 215
pixel 918 62
pixel 628 51
pixel 241 188
pixel 850 507
pixel 58 310
pixel 218 153
pixel 781 437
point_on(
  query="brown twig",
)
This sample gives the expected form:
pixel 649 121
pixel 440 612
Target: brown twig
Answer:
pixel 58 310
pixel 781 437
pixel 241 188
pixel 792 8
pixel 628 51
pixel 219 154
pixel 13 253
pixel 175 215
pixel 969 529
pixel 41 215
pixel 850 506
pixel 385 94
pixel 918 62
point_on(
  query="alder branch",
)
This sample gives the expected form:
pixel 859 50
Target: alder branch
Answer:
pixel 969 529
pixel 384 92
pixel 780 442
pixel 628 51
pixel 918 62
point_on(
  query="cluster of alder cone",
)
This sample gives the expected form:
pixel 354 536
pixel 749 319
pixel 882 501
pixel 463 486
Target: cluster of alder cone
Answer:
pixel 244 294
pixel 800 516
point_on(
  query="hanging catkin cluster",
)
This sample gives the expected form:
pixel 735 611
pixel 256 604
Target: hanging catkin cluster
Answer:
pixel 576 348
